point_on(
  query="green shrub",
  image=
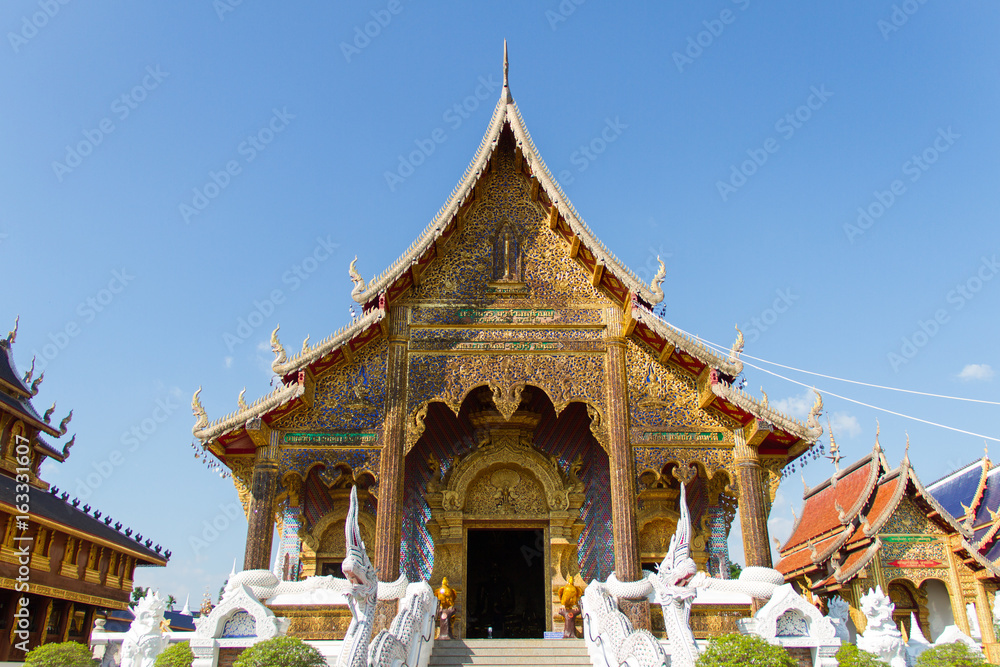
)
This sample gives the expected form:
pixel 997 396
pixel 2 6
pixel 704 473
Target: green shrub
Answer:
pixel 850 655
pixel 66 654
pixel 281 652
pixel 742 650
pixel 177 655
pixel 950 655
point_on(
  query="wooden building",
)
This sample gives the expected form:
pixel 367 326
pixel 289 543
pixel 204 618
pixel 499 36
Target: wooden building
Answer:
pixel 60 563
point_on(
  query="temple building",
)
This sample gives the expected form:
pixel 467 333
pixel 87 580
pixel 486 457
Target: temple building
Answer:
pixel 66 561
pixel 871 525
pixel 511 411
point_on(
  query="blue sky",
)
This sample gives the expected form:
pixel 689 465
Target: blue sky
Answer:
pixel 747 137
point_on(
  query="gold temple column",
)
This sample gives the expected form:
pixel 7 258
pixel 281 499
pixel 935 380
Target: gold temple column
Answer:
pixel 753 509
pixel 622 462
pixel 985 614
pixel 260 528
pixel 389 516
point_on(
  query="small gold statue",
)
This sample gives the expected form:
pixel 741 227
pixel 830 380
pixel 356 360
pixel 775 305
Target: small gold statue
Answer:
pixel 446 594
pixel 569 595
pixel 446 598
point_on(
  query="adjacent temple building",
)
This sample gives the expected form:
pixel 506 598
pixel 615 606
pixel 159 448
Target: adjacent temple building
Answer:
pixel 511 411
pixel 68 562
pixel 873 525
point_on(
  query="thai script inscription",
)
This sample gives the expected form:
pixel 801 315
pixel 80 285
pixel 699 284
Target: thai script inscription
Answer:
pixel 512 346
pixel 682 436
pixel 507 316
pixel 355 439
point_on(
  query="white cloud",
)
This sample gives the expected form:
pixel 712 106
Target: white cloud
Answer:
pixel 844 424
pixel 976 372
pixel 796 406
pixel 228 362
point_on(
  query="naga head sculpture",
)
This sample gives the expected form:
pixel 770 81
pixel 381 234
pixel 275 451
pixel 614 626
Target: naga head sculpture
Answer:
pixel 678 567
pixel 357 568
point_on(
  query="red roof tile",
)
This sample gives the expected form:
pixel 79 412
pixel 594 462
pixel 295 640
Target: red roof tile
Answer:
pixel 819 514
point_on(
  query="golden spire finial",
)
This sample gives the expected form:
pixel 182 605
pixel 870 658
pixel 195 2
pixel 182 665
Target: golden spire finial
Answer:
pixel 241 400
pixel 878 431
pixel 986 451
pixel 506 65
pixel 834 447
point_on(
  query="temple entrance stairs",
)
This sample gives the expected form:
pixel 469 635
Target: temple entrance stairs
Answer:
pixel 519 652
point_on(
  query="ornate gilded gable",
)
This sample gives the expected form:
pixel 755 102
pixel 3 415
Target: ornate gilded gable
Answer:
pixel 505 250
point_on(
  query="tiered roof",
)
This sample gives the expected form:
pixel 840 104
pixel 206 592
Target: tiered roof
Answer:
pixel 971 495
pixel 16 392
pixel 837 533
pixel 56 510
pixel 607 272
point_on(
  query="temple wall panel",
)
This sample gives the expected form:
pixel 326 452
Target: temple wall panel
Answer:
pixel 347 397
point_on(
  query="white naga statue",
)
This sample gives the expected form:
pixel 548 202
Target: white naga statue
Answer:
pixel 611 640
pixel 839 610
pixel 145 640
pixel 881 636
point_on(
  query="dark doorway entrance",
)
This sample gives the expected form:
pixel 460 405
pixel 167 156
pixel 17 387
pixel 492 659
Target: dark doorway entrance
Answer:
pixel 506 584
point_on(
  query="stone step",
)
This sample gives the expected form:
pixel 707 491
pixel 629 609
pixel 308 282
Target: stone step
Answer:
pixel 520 652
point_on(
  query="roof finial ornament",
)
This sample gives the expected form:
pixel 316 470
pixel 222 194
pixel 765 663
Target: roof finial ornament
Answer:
pixel 764 401
pixel 878 430
pixel 805 486
pixel 36 383
pixel 834 448
pixel 359 282
pixel 986 451
pixel 656 284
pixel 13 332
pixel 506 65
pixel 279 351
pixel 199 412
pixel 65 422
pixel 737 348
pixel 241 399
pixel 31 371
pixel 815 412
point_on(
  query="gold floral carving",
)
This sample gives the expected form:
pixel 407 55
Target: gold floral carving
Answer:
pixel 242 471
pixel 505 492
pixel 664 396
